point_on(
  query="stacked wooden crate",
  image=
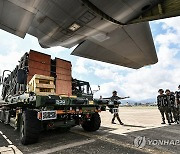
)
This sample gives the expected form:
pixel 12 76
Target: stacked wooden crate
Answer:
pixel 63 77
pixel 42 85
pixel 42 64
pixel 38 63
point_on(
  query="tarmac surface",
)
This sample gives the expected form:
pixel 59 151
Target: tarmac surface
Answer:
pixel 141 133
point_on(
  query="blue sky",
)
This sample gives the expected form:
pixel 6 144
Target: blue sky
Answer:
pixel 138 84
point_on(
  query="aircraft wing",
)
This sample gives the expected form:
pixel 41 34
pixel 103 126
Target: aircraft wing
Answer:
pixel 99 27
pixel 130 46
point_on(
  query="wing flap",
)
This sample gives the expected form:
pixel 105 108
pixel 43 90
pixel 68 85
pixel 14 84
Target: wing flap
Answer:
pixel 15 18
pixel 129 46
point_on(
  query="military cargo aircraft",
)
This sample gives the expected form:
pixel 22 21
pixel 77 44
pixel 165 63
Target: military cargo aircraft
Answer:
pixel 113 31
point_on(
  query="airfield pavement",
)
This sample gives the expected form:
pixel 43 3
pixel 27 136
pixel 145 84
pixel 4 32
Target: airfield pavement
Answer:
pixel 141 124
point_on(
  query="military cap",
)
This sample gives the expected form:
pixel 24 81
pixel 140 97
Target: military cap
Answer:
pixel 167 90
pixel 160 90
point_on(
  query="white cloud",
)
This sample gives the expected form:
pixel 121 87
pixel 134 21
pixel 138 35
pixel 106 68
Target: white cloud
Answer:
pixel 145 82
pixel 168 38
pixel 172 28
pixel 107 88
pixel 10 60
pixel 170 23
pixel 80 66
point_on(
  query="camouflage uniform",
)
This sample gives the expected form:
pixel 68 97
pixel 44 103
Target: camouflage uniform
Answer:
pixel 162 104
pixel 178 104
pixel 172 108
pixel 116 105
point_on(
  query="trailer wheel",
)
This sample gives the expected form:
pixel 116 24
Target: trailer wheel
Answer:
pixel 30 127
pixel 93 124
pixel 2 115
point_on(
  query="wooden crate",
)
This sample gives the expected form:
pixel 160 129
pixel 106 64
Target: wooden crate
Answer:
pixel 64 78
pixel 33 71
pixel 63 87
pixel 38 63
pixel 40 57
pixel 63 63
pixel 63 71
pixel 42 85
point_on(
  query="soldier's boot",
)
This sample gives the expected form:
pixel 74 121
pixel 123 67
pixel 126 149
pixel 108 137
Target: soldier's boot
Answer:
pixel 175 115
pixel 168 119
pixel 163 122
pixel 163 118
pixel 113 120
pixel 177 118
pixel 121 123
pixel 171 117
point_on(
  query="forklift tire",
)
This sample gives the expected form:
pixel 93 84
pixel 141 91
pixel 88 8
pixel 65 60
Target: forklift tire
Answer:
pixel 30 127
pixel 93 124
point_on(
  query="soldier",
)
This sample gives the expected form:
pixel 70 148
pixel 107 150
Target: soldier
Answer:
pixel 114 99
pixel 178 103
pixel 163 106
pixel 171 106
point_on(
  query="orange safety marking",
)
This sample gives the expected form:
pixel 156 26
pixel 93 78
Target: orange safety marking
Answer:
pixel 60 111
pixel 74 111
pixel 39 115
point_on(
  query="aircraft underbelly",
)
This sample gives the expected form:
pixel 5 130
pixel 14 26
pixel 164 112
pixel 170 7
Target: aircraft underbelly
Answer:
pixel 70 22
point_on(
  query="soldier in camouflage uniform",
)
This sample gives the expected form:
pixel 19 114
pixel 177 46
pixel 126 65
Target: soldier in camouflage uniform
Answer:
pixel 114 99
pixel 162 104
pixel 177 94
pixel 171 106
